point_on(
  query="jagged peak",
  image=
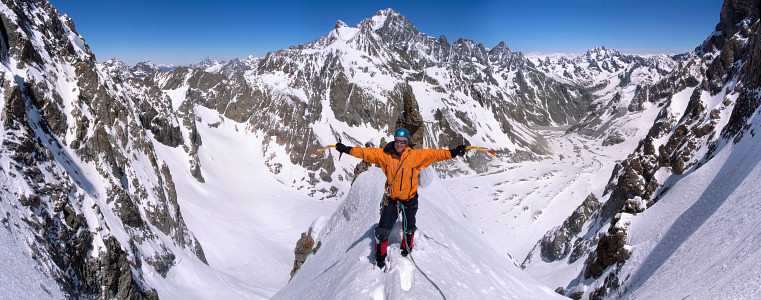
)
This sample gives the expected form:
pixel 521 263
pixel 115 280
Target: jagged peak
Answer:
pixel 387 12
pixel 340 24
pixel 443 40
pixel 209 59
pixel 462 41
pixel 501 47
pixel 601 52
pixel 388 18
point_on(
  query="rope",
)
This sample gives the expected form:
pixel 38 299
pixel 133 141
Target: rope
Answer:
pixel 409 252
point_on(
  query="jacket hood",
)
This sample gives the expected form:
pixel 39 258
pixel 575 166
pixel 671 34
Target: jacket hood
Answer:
pixel 390 149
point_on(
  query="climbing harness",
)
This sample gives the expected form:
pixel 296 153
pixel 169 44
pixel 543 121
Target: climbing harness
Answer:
pixel 387 191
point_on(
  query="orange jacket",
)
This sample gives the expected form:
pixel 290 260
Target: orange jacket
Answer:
pixel 408 165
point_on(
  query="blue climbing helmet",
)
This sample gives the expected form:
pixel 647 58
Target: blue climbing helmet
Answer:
pixel 401 132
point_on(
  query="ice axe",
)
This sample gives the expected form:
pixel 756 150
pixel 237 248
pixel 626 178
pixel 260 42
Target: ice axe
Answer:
pixel 491 153
pixel 314 154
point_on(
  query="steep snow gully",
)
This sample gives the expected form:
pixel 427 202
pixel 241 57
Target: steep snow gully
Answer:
pixel 704 233
pixel 448 247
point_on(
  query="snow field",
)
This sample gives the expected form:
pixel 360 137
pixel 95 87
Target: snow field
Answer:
pixel 516 206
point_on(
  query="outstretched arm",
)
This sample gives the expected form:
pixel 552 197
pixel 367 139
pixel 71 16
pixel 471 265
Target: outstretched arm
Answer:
pixel 371 155
pixel 428 156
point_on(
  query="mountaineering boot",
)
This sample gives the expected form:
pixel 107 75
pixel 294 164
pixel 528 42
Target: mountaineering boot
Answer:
pixel 380 253
pixel 408 238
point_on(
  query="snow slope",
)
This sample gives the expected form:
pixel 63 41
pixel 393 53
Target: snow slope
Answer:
pixel 22 277
pixel 453 253
pixel 704 234
pixel 246 221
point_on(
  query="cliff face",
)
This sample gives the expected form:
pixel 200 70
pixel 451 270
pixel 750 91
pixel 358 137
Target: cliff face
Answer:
pixel 78 163
pixel 733 12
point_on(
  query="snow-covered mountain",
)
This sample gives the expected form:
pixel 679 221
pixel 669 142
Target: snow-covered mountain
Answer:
pixel 194 182
pixel 657 200
pixel 383 72
pixel 618 83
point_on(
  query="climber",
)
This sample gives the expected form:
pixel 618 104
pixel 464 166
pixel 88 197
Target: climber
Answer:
pixel 402 165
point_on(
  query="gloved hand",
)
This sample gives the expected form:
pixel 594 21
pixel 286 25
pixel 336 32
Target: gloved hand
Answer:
pixel 343 148
pixel 459 151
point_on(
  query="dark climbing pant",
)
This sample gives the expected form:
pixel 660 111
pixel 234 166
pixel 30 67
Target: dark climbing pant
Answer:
pixel 390 213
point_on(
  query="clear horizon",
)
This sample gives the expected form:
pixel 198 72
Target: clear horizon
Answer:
pixel 186 32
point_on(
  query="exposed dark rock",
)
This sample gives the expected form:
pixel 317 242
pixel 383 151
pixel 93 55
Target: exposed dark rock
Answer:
pixel 747 104
pixel 53 116
pixel 448 137
pixel 303 249
pixel 634 205
pixel 15 108
pixel 116 275
pixel 410 118
pixel 363 166
pixel 677 165
pixel 613 138
pixel 162 262
pixel 560 290
pixel 648 147
pixel 641 95
pixel 350 104
pixel 650 189
pixel 32 201
pixel 610 250
pixel 106 136
pixel 610 285
pixel 30 56
pixel 580 248
pixel 125 208
pixel 630 184
pixel 165 133
pixel 734 11
pixel 576 295
pixel 555 245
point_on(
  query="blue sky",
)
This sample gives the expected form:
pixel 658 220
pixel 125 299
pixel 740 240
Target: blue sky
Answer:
pixel 185 32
